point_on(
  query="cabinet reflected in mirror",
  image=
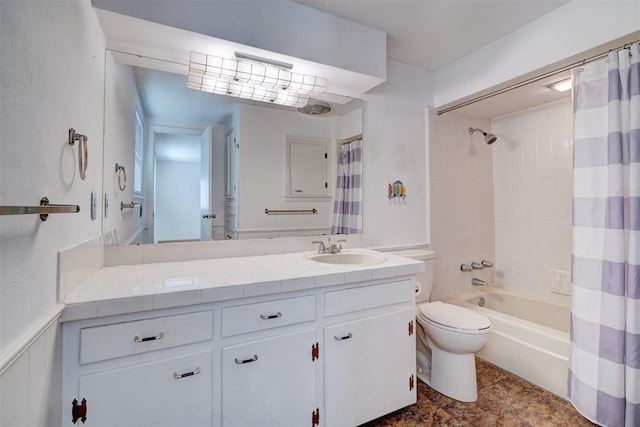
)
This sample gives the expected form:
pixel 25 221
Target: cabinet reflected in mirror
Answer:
pixel 214 165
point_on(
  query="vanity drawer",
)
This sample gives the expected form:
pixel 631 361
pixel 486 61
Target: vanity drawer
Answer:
pixel 364 297
pixel 127 338
pixel 265 315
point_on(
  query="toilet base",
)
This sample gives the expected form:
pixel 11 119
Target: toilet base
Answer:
pixel 453 375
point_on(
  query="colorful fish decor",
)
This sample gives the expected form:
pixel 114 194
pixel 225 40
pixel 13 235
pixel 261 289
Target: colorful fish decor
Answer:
pixel 397 193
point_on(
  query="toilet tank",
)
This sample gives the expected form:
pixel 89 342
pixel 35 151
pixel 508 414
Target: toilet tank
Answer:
pixel 424 281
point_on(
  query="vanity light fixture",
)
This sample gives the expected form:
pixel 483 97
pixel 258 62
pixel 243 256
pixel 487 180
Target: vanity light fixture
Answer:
pixel 254 78
pixel 561 86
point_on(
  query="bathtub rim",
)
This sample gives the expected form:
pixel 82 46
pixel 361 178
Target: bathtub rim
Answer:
pixel 461 298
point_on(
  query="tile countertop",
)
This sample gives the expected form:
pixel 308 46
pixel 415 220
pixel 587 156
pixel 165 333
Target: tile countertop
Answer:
pixel 134 288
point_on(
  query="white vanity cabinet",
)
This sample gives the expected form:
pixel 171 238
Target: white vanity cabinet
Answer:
pixel 326 356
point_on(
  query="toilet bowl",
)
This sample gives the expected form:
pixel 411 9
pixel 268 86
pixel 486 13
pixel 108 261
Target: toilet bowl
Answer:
pixel 447 338
pixel 451 335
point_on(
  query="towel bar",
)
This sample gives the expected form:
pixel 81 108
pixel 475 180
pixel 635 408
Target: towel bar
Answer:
pixel 43 210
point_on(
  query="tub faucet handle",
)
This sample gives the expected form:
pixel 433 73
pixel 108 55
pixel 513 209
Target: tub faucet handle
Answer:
pixel 465 267
pixel 476 265
pixel 487 263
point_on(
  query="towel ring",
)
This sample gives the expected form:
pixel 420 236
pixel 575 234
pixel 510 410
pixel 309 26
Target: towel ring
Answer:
pixel 83 151
pixel 122 177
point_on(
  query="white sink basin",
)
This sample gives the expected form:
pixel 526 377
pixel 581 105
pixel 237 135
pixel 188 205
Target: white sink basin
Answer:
pixel 347 258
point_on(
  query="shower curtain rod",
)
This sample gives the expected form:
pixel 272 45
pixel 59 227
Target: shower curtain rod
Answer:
pixel 533 79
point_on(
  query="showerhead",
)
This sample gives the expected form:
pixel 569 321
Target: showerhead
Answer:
pixel 489 138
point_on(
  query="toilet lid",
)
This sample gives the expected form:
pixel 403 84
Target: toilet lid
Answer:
pixel 454 316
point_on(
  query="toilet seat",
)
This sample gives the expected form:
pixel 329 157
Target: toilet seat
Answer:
pixel 453 318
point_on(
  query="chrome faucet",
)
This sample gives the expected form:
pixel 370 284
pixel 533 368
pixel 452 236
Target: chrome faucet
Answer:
pixel 329 248
pixel 478 282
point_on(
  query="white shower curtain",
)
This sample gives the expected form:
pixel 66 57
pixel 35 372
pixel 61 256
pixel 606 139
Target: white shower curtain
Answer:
pixel 347 207
pixel 604 359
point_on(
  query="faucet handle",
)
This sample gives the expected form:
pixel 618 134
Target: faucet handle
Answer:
pixel 476 265
pixel 465 267
pixel 487 263
pixel 339 242
pixel 321 247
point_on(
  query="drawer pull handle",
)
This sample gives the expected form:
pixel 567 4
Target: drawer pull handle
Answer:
pixel 344 337
pixel 271 316
pixel 145 339
pixel 178 376
pixel 242 362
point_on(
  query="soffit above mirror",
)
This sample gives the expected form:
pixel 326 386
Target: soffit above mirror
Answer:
pixel 167 48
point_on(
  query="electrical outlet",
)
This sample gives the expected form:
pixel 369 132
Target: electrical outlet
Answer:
pixel 561 282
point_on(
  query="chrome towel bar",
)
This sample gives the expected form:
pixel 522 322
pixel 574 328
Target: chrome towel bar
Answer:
pixel 43 210
pixel 290 211
pixel 129 205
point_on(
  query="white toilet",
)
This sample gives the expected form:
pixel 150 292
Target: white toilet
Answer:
pixel 447 338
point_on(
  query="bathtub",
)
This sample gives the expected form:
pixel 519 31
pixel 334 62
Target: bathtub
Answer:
pixel 530 336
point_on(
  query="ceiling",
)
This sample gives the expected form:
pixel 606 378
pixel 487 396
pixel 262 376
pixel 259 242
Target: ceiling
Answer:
pixel 432 33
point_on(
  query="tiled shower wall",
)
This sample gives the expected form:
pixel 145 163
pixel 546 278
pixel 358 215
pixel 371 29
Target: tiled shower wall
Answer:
pixel 461 199
pixel 532 178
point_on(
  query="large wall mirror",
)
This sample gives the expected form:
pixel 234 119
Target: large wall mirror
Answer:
pixel 212 166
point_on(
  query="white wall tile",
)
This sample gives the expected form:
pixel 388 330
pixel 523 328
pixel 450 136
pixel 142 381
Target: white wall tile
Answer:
pixel 462 203
pixel 533 200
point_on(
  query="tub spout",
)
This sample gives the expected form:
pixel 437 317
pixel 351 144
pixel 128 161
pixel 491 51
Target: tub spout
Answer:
pixel 478 282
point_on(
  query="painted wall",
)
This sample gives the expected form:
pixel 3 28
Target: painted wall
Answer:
pixel 350 124
pixel 532 171
pixel 51 79
pixel 121 102
pixel 394 148
pixel 177 206
pixel 461 194
pixel 566 31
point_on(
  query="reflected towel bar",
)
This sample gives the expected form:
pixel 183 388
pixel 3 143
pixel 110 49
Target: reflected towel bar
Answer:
pixel 129 205
pixel 43 210
pixel 290 211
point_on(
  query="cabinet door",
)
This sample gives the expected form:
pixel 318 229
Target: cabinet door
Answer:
pixel 270 382
pixel 369 368
pixel 168 392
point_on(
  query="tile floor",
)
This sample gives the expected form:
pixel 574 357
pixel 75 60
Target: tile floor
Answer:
pixel 503 400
